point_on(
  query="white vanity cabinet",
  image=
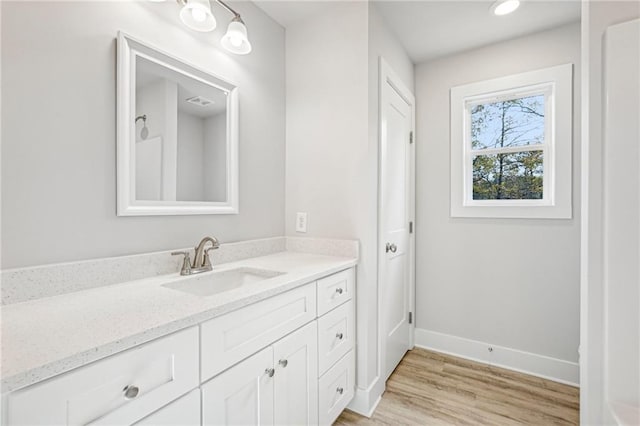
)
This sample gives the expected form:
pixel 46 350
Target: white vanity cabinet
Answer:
pixel 227 339
pixel 184 412
pixel 305 377
pixel 277 385
pixel 118 390
pixel 285 360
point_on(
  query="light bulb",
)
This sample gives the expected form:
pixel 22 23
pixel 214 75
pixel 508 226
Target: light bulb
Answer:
pixel 198 14
pixel 501 8
pixel 236 40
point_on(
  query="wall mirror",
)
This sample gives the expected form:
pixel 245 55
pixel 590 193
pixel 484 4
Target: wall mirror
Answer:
pixel 177 135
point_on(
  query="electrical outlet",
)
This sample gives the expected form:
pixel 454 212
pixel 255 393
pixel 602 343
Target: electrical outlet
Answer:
pixel 301 222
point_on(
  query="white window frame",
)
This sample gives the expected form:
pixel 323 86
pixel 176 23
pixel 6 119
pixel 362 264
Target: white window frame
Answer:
pixel 555 83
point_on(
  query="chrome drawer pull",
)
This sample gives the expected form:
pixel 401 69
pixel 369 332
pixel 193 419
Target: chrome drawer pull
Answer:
pixel 283 363
pixel 340 391
pixel 339 290
pixel 270 372
pixel 130 392
pixel 339 336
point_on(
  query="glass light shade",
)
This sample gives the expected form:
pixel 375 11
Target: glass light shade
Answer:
pixel 505 7
pixel 236 40
pixel 196 14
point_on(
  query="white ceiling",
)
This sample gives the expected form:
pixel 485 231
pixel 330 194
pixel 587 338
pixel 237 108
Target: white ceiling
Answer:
pixel 429 29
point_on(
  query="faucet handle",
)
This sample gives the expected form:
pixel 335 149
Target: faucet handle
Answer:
pixel 186 262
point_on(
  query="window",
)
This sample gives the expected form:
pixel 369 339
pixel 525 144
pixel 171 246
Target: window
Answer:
pixel 511 146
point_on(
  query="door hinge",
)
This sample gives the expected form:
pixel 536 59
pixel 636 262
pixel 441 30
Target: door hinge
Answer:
pixel 410 317
pixel 410 137
pixel 411 227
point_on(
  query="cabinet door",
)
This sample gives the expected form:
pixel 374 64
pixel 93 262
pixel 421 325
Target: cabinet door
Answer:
pixel 242 395
pixel 183 412
pixel 296 377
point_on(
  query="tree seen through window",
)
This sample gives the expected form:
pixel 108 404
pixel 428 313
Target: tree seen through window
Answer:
pixel 507 151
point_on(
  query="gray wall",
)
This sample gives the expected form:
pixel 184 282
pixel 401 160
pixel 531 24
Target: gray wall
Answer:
pixel 327 133
pixel 59 129
pixel 190 164
pixel 508 282
pixel 332 141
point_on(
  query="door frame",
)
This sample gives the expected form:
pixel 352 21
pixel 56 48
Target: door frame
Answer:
pixel 388 75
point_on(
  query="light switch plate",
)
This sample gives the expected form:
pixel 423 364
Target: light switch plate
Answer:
pixel 301 222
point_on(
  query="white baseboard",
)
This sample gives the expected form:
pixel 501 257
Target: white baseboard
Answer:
pixel 546 367
pixel 366 400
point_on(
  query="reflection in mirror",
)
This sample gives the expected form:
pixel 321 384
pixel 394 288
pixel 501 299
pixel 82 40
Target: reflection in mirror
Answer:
pixel 186 120
pixel 177 146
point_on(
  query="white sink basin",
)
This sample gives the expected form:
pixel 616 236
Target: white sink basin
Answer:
pixel 211 283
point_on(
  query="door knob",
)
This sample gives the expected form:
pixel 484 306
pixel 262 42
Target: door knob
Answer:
pixel 391 248
pixel 270 372
pixel 283 363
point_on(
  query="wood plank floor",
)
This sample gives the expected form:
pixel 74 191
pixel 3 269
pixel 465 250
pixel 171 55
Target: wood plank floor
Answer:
pixel 429 388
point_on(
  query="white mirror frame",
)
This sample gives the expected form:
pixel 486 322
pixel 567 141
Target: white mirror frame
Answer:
pixel 128 49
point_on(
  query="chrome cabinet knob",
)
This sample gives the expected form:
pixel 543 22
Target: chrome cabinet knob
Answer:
pixel 339 336
pixel 283 363
pixel 391 248
pixel 340 390
pixel 339 290
pixel 270 372
pixel 130 392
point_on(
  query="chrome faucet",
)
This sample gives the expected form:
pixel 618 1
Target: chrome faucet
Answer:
pixel 201 261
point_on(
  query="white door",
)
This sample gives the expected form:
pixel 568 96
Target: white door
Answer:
pixel 242 395
pixel 396 207
pixel 296 377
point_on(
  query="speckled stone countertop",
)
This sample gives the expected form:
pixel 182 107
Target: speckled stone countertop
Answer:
pixel 45 337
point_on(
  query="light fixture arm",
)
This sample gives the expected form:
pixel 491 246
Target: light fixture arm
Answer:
pixel 236 15
pixel 235 39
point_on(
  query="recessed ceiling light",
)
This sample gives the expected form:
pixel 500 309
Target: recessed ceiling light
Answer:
pixel 504 7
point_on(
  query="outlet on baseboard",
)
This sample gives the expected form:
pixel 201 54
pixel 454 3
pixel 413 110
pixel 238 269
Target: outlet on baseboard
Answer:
pixel 301 222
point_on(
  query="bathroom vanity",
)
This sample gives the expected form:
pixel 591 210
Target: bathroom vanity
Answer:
pixel 276 349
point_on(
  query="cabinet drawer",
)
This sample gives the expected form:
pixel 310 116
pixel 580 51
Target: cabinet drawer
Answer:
pixel 155 374
pixel 335 290
pixel 336 335
pixel 183 412
pixel 234 336
pixel 336 389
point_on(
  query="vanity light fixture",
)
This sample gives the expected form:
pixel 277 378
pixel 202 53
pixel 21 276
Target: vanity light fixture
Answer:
pixel 504 7
pixel 236 40
pixel 197 15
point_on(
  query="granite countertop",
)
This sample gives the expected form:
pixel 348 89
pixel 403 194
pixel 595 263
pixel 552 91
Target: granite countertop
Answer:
pixel 49 336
